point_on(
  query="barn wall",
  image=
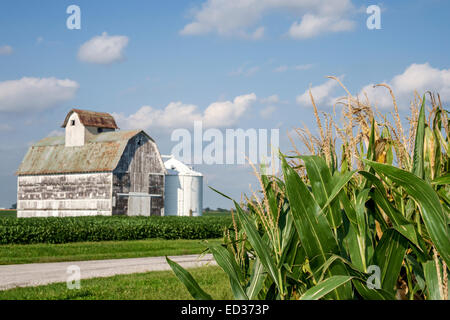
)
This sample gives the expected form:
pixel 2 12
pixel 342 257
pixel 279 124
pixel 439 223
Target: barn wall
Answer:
pixel 64 195
pixel 140 170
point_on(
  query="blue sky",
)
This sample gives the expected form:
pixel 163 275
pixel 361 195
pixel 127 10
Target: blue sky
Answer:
pixel 197 53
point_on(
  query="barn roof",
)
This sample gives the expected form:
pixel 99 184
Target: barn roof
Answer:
pixel 93 119
pixel 101 154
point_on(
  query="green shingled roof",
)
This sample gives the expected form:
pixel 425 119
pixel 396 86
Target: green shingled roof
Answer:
pixel 51 156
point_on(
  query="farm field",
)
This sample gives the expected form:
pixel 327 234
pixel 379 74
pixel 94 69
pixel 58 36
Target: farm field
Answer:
pixel 158 285
pixel 12 213
pixel 8 214
pixel 79 251
pixel 114 228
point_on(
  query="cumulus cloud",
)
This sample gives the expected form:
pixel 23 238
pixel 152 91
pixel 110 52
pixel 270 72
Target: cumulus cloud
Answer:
pixel 34 94
pixel 271 99
pixel 321 93
pixel 416 77
pixel 258 33
pixel 267 111
pixel 178 115
pixel 103 49
pixel 271 104
pixel 313 25
pixel 238 18
pixel 6 50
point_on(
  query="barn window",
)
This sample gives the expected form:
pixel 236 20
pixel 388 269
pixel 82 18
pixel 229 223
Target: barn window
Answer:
pixel 72 122
pixel 99 130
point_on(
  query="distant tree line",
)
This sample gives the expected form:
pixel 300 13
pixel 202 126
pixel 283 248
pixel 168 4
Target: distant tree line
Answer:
pixel 208 209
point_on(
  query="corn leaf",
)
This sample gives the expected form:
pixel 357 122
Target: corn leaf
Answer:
pixel 432 280
pixel 442 180
pixel 388 256
pixel 320 177
pixel 430 207
pixel 325 287
pixel 186 278
pixel 371 294
pixel 313 228
pixel 418 161
pixel 256 281
pixel 226 261
pixel 258 245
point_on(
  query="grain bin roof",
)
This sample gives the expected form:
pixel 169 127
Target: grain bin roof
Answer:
pixel 176 167
pixel 101 154
pixel 93 119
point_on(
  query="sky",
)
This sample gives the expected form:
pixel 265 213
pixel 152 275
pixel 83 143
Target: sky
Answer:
pixel 161 65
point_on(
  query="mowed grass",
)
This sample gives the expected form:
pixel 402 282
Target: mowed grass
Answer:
pixel 157 285
pixel 8 214
pixel 78 251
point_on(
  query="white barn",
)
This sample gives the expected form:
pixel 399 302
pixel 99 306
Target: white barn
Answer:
pixel 92 170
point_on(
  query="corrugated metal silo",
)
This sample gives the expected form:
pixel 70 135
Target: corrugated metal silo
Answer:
pixel 183 194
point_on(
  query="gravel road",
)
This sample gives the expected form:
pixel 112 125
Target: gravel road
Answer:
pixel 34 274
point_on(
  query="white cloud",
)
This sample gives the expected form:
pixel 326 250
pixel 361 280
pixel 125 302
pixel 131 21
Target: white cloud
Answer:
pixel 420 77
pixel 416 77
pixel 178 114
pixel 321 93
pixel 313 25
pixel 258 33
pixel 34 94
pixel 103 49
pixel 270 103
pixel 282 68
pixel 271 99
pixel 267 111
pixel 227 113
pixel 6 50
pixel 239 17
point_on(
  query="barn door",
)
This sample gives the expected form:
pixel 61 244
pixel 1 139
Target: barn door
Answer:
pixel 139 204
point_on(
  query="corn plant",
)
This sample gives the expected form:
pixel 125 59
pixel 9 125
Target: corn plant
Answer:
pixel 373 225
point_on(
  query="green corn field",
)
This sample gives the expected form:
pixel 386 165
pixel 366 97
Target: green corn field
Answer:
pixel 363 213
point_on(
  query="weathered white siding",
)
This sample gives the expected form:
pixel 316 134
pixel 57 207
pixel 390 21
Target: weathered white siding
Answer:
pixel 140 171
pixel 64 195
